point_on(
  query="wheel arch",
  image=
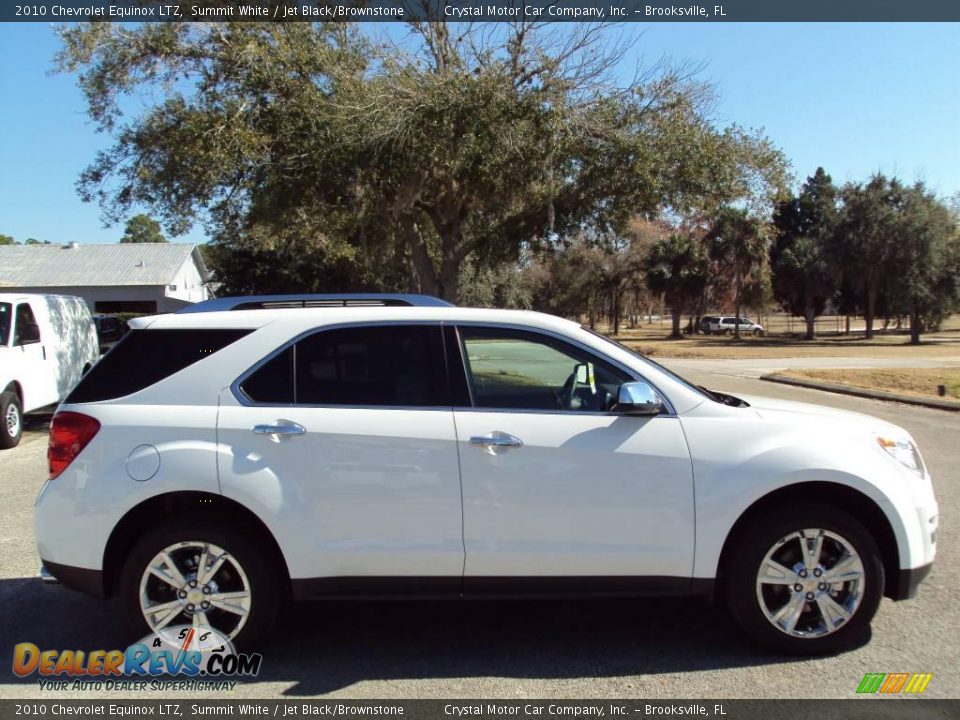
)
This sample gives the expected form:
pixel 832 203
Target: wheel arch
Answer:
pixel 200 504
pixel 852 501
pixel 17 389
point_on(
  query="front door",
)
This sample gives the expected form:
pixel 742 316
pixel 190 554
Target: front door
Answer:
pixel 344 443
pixel 558 488
pixel 36 369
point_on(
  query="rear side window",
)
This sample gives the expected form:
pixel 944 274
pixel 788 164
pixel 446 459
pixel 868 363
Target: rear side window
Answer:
pixel 387 366
pixel 272 383
pixel 145 357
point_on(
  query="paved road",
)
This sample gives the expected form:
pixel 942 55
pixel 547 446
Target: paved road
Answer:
pixel 657 648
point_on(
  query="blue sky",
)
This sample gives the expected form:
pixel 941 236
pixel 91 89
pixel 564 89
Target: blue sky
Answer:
pixel 855 98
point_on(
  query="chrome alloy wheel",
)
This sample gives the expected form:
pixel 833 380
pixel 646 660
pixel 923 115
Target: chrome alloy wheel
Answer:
pixel 12 420
pixel 195 583
pixel 810 583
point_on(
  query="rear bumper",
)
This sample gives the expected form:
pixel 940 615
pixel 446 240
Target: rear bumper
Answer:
pixel 908 582
pixel 89 582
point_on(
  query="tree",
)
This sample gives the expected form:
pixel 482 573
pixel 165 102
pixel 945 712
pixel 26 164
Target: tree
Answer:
pixel 9 240
pixel 504 286
pixel 142 229
pixel 865 241
pixel 901 244
pixel 805 273
pixel 677 268
pixel 472 142
pixel 738 243
pixel 926 257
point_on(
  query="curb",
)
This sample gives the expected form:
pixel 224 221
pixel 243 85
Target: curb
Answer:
pixel 950 405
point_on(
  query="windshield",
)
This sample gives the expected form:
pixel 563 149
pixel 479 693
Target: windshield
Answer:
pixel 6 313
pixel 686 383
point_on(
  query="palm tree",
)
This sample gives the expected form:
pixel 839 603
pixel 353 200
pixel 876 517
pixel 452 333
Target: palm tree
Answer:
pixel 677 268
pixel 738 243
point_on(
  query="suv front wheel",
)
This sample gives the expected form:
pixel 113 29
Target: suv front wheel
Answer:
pixel 201 573
pixel 806 580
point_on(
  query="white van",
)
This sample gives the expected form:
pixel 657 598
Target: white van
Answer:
pixel 47 343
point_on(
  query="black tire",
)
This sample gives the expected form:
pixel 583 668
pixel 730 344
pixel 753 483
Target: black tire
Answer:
pixel 751 549
pixel 264 581
pixel 10 403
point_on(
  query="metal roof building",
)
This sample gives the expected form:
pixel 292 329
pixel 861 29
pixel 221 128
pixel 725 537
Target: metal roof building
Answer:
pixel 122 277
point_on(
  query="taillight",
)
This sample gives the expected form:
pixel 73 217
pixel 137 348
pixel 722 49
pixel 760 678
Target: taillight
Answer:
pixel 70 433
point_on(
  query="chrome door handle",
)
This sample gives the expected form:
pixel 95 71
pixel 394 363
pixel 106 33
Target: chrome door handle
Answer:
pixel 495 440
pixel 281 429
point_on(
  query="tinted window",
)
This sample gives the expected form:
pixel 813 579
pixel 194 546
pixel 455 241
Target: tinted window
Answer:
pixel 272 383
pixel 26 329
pixel 144 357
pixel 399 365
pixel 391 366
pixel 517 370
pixel 6 315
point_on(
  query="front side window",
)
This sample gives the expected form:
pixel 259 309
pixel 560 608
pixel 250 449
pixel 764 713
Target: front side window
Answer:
pixel 6 321
pixel 27 331
pixel 513 369
pixel 384 366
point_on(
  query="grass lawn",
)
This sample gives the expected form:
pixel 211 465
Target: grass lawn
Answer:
pixel 908 381
pixel 650 339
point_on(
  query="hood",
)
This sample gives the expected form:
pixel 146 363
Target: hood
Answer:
pixel 770 407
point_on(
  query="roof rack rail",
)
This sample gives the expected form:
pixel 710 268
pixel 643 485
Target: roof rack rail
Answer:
pixel 323 300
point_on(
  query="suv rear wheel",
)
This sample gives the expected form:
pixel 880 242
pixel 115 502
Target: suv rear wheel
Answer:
pixel 806 580
pixel 201 573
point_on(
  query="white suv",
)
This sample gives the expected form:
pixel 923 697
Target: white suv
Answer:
pixel 220 460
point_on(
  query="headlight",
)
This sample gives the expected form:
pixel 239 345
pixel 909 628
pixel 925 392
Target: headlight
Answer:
pixel 904 452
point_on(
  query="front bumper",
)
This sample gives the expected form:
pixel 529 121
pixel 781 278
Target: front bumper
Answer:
pixel 908 581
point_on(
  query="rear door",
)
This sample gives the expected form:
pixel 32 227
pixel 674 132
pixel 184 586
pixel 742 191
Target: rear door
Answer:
pixel 344 442
pixel 558 491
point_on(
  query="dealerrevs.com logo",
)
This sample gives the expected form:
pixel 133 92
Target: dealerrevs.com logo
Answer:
pixel 199 658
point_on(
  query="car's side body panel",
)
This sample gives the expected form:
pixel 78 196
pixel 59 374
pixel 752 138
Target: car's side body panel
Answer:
pixel 83 505
pixel 364 492
pixel 586 494
pixel 741 455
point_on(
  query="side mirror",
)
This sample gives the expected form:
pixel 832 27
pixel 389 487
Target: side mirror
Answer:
pixel 637 398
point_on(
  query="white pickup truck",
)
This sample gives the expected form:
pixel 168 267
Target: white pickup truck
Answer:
pixel 47 343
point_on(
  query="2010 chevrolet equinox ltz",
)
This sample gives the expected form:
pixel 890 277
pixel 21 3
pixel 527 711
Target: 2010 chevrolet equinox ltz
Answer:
pixel 220 459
